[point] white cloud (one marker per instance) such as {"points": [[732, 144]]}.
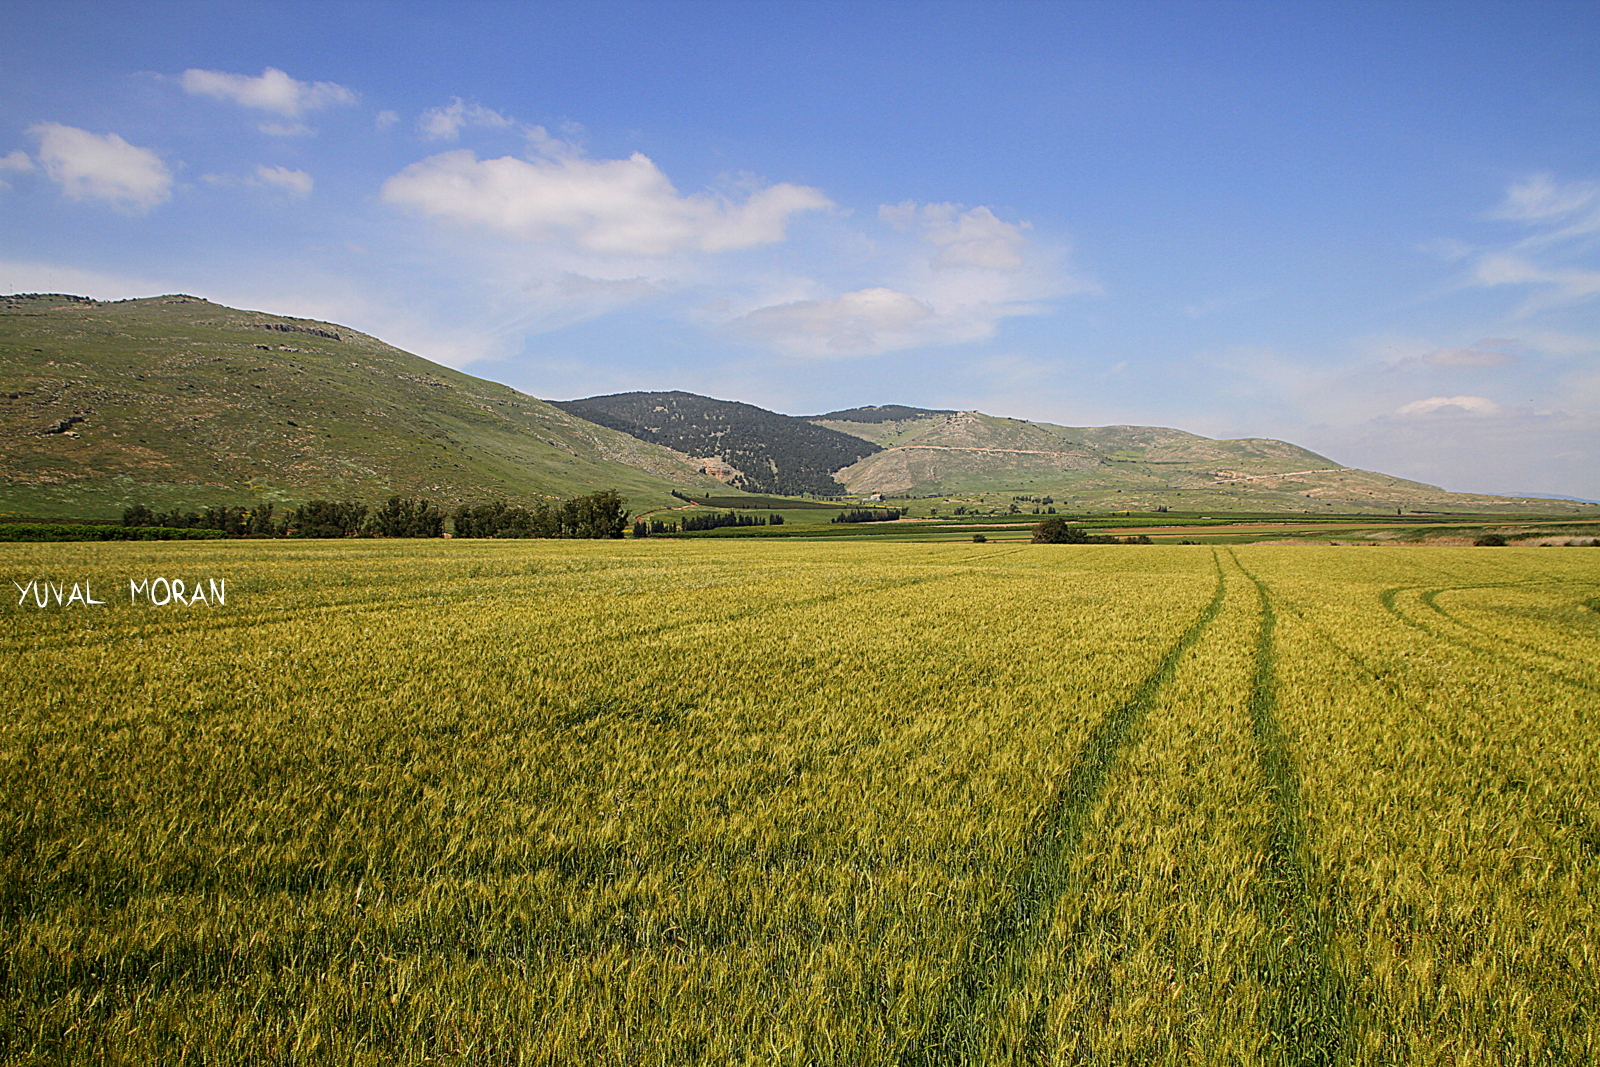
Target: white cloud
{"points": [[856, 323], [273, 91], [1556, 285], [975, 238], [612, 206], [1489, 352], [102, 167], [1469, 405], [445, 123], [294, 182], [17, 162], [965, 273], [384, 119]]}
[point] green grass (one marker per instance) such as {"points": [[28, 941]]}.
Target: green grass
{"points": [[188, 404]]}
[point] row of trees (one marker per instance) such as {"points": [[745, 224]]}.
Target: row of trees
{"points": [[398, 517], [869, 515], [601, 514], [717, 521], [234, 522]]}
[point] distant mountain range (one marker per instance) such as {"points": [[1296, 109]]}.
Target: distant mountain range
{"points": [[1115, 467], [176, 401]]}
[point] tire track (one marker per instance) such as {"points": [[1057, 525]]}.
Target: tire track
{"points": [[1430, 598], [998, 957], [1310, 1021], [1388, 599], [1583, 826]]}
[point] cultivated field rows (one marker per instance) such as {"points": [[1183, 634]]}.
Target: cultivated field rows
{"points": [[689, 802]]}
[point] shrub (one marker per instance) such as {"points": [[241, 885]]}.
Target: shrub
{"points": [[67, 531], [1059, 531], [979, 538], [1492, 540]]}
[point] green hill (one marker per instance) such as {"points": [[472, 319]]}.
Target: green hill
{"points": [[754, 449], [967, 453], [176, 401]]}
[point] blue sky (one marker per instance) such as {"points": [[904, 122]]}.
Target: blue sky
{"points": [[1370, 229]]}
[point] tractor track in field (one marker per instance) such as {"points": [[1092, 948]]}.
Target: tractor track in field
{"points": [[1002, 945], [1430, 598], [1388, 599], [1585, 827], [1311, 1019]]}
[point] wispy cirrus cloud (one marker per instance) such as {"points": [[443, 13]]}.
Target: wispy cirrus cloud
{"points": [[1555, 262], [1572, 209], [1552, 286]]}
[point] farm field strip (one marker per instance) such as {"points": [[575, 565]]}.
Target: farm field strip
{"points": [[690, 802], [1453, 851], [1311, 1021], [594, 608], [1180, 931], [1012, 933], [359, 808], [1407, 683]]}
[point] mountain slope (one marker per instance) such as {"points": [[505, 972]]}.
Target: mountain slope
{"points": [[1123, 467], [185, 402], [876, 413], [762, 451]]}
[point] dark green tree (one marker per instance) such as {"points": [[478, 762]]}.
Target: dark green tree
{"points": [[406, 517], [1059, 531], [326, 518]]}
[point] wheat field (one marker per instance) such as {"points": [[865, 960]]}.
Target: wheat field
{"points": [[673, 802]]}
